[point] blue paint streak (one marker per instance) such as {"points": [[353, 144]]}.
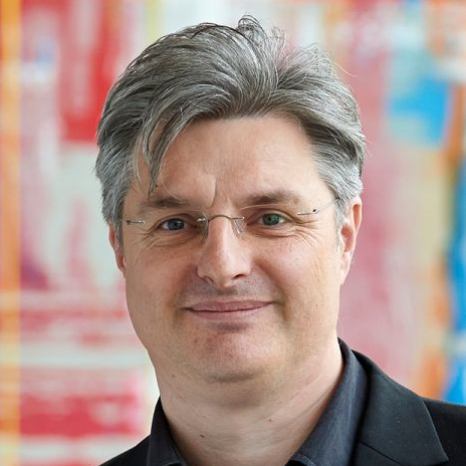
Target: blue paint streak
{"points": [[456, 390], [418, 101], [456, 254]]}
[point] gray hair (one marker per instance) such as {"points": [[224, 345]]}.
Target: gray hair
{"points": [[211, 71]]}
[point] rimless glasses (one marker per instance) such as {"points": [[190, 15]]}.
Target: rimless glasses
{"points": [[174, 226]]}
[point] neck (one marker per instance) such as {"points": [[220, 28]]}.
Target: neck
{"points": [[244, 424]]}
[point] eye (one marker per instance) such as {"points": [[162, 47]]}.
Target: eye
{"points": [[271, 219], [173, 224]]}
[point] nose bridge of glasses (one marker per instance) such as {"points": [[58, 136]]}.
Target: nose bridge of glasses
{"points": [[236, 223]]}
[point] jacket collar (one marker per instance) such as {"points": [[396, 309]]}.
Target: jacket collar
{"points": [[396, 428]]}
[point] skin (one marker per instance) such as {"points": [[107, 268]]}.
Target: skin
{"points": [[241, 330]]}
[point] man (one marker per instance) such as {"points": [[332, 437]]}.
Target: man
{"points": [[231, 173]]}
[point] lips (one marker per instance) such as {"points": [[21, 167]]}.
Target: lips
{"points": [[231, 306]]}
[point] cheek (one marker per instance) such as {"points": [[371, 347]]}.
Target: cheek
{"points": [[141, 305], [151, 270], [305, 266], [309, 282], [150, 288]]}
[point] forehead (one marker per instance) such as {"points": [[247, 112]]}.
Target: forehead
{"points": [[236, 159]]}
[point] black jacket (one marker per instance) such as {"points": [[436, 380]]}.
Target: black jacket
{"points": [[398, 428], [401, 428]]}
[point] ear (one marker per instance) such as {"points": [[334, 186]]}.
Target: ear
{"points": [[348, 235], [117, 247]]}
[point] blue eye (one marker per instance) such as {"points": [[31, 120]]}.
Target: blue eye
{"points": [[272, 219], [173, 224]]}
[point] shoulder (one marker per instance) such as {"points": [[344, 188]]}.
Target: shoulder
{"points": [[450, 422], [136, 456], [416, 427], [439, 410]]}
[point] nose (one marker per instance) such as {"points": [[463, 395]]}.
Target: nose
{"points": [[224, 257]]}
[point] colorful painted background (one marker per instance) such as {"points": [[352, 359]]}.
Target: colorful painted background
{"points": [[75, 386]]}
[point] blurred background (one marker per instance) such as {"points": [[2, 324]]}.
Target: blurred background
{"points": [[75, 386]]}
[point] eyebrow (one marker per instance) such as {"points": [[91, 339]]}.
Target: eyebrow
{"points": [[281, 196], [165, 202]]}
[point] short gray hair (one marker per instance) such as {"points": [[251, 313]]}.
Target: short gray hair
{"points": [[211, 71]]}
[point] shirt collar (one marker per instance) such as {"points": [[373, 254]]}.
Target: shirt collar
{"points": [[162, 450]]}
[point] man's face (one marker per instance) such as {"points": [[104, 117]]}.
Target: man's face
{"points": [[229, 307]]}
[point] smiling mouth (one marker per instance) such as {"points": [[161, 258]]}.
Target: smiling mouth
{"points": [[231, 307]]}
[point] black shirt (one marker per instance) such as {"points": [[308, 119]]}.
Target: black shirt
{"points": [[329, 444]]}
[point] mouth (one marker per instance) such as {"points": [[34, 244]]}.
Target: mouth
{"points": [[230, 309]]}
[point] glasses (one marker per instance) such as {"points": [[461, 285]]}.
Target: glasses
{"points": [[174, 227]]}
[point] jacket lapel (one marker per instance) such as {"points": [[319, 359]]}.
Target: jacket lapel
{"points": [[396, 428]]}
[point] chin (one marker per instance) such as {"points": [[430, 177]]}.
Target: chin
{"points": [[232, 377], [238, 367]]}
